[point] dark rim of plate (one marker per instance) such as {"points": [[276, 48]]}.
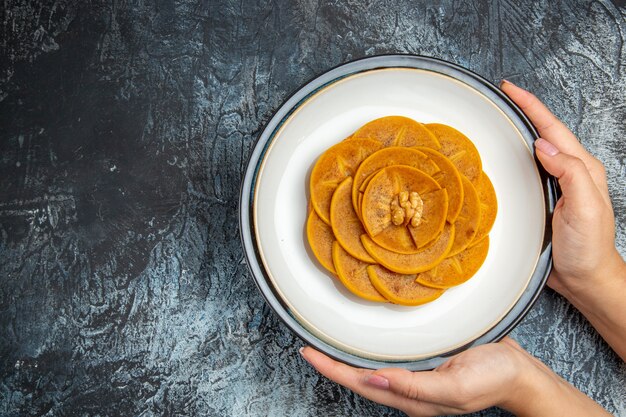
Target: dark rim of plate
{"points": [[293, 102]]}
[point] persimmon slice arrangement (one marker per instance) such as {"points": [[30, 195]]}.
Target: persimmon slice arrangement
{"points": [[401, 211]]}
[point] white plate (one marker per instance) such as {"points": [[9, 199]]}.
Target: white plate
{"points": [[275, 198]]}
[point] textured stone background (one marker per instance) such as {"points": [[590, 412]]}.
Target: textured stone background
{"points": [[125, 128]]}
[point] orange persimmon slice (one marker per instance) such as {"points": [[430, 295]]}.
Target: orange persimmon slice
{"points": [[466, 224], [376, 208], [353, 275], [387, 157], [397, 131], [433, 218], [346, 226], [456, 269], [459, 149], [412, 263], [399, 288], [337, 163], [488, 207], [449, 178], [321, 238]]}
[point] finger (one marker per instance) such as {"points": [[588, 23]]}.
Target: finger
{"points": [[349, 377], [574, 178], [365, 383], [426, 392], [427, 386], [548, 125], [554, 131]]}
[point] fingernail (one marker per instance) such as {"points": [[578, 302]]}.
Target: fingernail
{"points": [[301, 350], [505, 82], [546, 147], [377, 381]]}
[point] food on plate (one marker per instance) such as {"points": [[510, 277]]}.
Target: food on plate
{"points": [[401, 289], [353, 275], [459, 149], [321, 238], [388, 157], [335, 165], [456, 269], [415, 262], [466, 224], [448, 178], [401, 211], [397, 131], [389, 223], [488, 207], [345, 224]]}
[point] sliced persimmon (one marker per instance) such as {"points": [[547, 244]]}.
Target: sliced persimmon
{"points": [[456, 269], [467, 221], [433, 218], [412, 263], [449, 178], [397, 131], [345, 224], [337, 163], [399, 288], [321, 238], [397, 239], [408, 239], [401, 211], [376, 208], [366, 182], [353, 274], [362, 188], [388, 157], [459, 149], [488, 207]]}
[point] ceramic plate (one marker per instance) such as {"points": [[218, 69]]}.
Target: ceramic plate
{"points": [[274, 198]]}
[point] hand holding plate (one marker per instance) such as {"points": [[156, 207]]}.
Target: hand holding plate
{"points": [[497, 374], [588, 269]]}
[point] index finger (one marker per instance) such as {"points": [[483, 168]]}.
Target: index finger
{"points": [[547, 124], [554, 131]]}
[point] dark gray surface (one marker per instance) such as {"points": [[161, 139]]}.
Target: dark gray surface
{"points": [[124, 131]]}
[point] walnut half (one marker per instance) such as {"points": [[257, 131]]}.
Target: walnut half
{"points": [[407, 209]]}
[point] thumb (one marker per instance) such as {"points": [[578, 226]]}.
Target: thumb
{"points": [[574, 178], [426, 386]]}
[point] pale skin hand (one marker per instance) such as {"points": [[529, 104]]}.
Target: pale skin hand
{"points": [[500, 374], [588, 270]]}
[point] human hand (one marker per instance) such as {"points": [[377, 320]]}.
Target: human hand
{"points": [[471, 381], [583, 225], [498, 374], [588, 270]]}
